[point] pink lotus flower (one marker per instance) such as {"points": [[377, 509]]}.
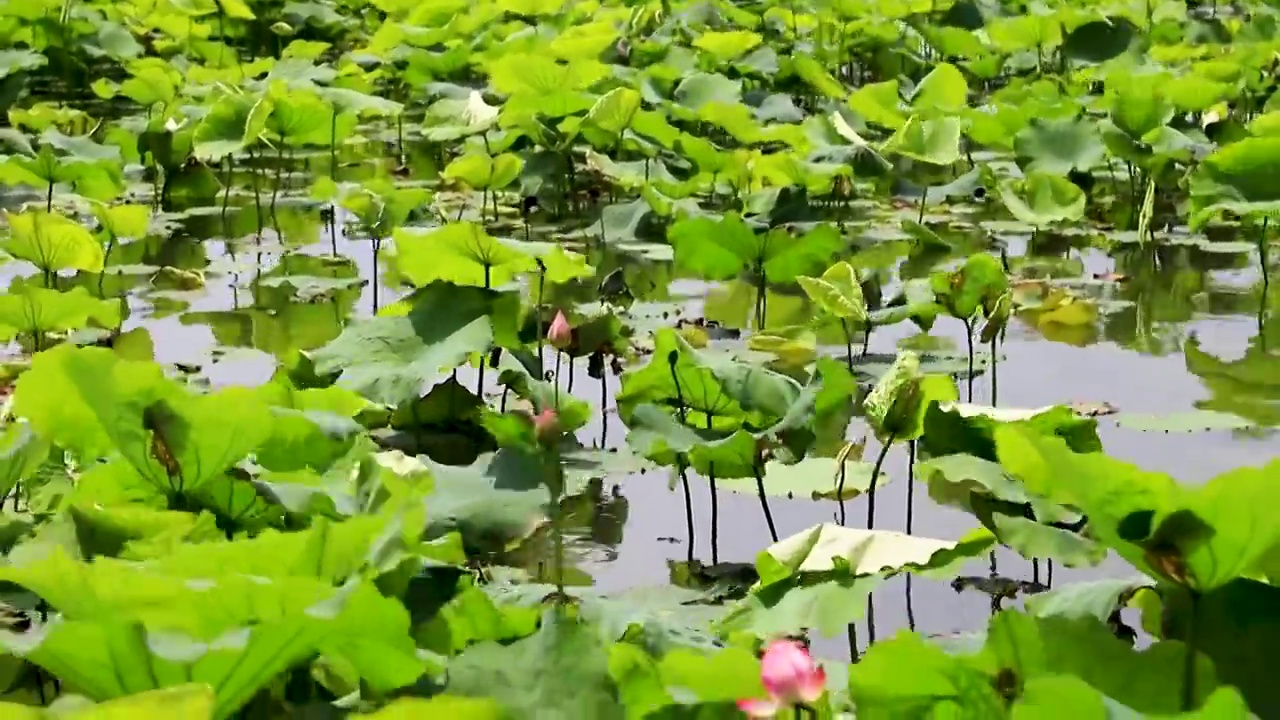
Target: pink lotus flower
{"points": [[546, 426], [790, 676], [560, 335]]}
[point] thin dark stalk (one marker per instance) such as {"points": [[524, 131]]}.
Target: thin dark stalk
{"points": [[924, 198], [275, 190], [226, 185], [1035, 570], [556, 380], [257, 191], [875, 476], [48, 199], [911, 481], [688, 508], [1048, 582], [715, 509], [569, 388], [764, 501], [866, 340], [911, 611], [604, 406], [333, 229], [373, 282], [852, 634], [871, 619], [106, 256], [542, 282]]}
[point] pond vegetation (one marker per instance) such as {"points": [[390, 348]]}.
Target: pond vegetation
{"points": [[346, 339]]}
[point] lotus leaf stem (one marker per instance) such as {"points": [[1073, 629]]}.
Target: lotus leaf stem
{"points": [[764, 501], [875, 476]]}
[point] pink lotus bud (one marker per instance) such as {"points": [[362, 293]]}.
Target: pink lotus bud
{"points": [[790, 676], [546, 426], [560, 335]]}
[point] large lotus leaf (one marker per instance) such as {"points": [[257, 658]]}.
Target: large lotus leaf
{"points": [[727, 45], [539, 74], [970, 429], [1237, 627], [194, 701], [932, 142], [716, 391], [784, 257], [1239, 172], [662, 438], [1041, 199], [908, 676], [1097, 599], [78, 398], [879, 104], [482, 171], [497, 500], [1099, 40], [138, 532], [22, 453], [1087, 649], [982, 486], [1137, 103], [1059, 145], [715, 250], [698, 90], [829, 547], [613, 112], [943, 90], [395, 359], [17, 60], [825, 604], [123, 221], [311, 427], [52, 242], [838, 292], [978, 284], [330, 551], [33, 310], [897, 405], [1202, 538], [816, 76], [461, 253], [813, 478], [1032, 539], [232, 123], [560, 672], [108, 659]]}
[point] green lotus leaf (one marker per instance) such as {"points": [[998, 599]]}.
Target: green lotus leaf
{"points": [[17, 60], [233, 123], [970, 429], [977, 285], [943, 90], [1246, 387], [539, 74], [727, 45], [22, 453], [1059, 146], [907, 674], [138, 532], [698, 90], [660, 437], [614, 111], [123, 221], [1043, 198], [1027, 32], [52, 242], [1202, 538], [720, 250], [814, 478], [108, 659], [391, 360], [32, 310], [1099, 41], [818, 603], [829, 547], [932, 142], [461, 253], [483, 172], [816, 76], [1097, 599], [898, 402], [879, 104], [838, 292], [561, 671], [1137, 103], [1235, 177]]}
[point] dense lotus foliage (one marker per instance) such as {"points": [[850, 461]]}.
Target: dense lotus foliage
{"points": [[452, 241]]}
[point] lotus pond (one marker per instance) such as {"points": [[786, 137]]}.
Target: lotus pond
{"points": [[565, 358]]}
